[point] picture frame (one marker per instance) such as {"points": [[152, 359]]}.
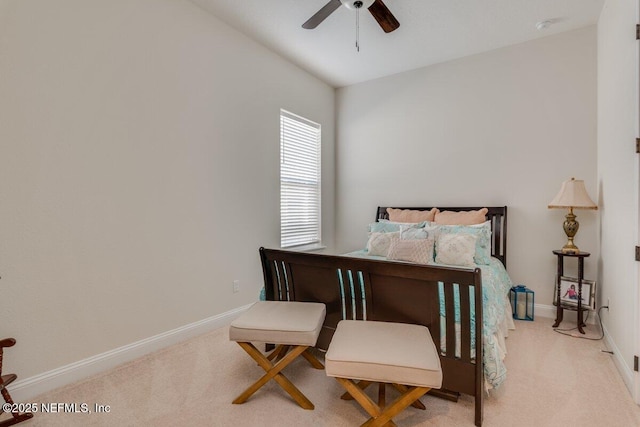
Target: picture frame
{"points": [[569, 292]]}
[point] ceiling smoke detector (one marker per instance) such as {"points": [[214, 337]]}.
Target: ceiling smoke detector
{"points": [[543, 25]]}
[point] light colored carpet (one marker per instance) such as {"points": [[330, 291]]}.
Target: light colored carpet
{"points": [[553, 380]]}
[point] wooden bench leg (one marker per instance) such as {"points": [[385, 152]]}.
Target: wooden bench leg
{"points": [[401, 388], [278, 353], [397, 406], [382, 395], [273, 372], [356, 392], [281, 350], [312, 359], [361, 384], [379, 416]]}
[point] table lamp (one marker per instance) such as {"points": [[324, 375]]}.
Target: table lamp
{"points": [[572, 195]]}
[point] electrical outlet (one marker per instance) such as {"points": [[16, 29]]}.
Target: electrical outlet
{"points": [[236, 286]]}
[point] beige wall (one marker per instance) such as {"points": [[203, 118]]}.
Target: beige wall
{"points": [[500, 128], [618, 180], [138, 171], [139, 164]]}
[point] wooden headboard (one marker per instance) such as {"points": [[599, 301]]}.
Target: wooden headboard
{"points": [[497, 215]]}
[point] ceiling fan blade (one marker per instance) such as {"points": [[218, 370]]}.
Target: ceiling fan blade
{"points": [[322, 14], [383, 15]]}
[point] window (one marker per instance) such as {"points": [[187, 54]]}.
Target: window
{"points": [[299, 181]]}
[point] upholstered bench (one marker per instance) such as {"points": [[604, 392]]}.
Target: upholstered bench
{"points": [[383, 352], [293, 326]]}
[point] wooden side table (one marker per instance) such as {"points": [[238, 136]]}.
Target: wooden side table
{"points": [[559, 308]]}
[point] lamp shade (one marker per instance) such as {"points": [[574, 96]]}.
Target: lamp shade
{"points": [[572, 194]]}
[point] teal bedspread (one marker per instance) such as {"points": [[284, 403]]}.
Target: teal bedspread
{"points": [[495, 290]]}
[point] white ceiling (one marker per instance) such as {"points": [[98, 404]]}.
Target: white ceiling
{"points": [[431, 31]]}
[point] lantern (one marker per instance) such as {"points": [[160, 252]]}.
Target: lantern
{"points": [[522, 302]]}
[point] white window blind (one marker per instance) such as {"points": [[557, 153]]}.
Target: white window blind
{"points": [[299, 180]]}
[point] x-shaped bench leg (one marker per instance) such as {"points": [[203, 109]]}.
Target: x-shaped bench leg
{"points": [[278, 353], [273, 372], [379, 416], [281, 350], [401, 388]]}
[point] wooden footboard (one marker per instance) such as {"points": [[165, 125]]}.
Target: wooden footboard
{"points": [[361, 289]]}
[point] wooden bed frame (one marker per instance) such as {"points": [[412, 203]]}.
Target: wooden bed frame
{"points": [[366, 289]]}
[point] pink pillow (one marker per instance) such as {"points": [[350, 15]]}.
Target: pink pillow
{"points": [[462, 217], [408, 215]]}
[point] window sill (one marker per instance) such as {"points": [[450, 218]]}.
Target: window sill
{"points": [[306, 248]]}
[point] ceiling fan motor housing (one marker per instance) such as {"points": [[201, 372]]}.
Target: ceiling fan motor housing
{"points": [[377, 8], [357, 4]]}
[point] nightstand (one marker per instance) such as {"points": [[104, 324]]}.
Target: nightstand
{"points": [[559, 307]]}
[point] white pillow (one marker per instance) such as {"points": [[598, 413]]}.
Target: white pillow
{"points": [[386, 226], [482, 232], [455, 249], [416, 250], [379, 243], [412, 233]]}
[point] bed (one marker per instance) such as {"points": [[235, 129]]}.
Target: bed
{"points": [[497, 319], [453, 302]]}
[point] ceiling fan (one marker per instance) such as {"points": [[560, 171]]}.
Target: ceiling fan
{"points": [[380, 12]]}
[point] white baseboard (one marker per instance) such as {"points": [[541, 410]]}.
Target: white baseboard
{"points": [[569, 316], [546, 311], [27, 389], [625, 372]]}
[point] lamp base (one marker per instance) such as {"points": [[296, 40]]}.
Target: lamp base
{"points": [[570, 227], [570, 248]]}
